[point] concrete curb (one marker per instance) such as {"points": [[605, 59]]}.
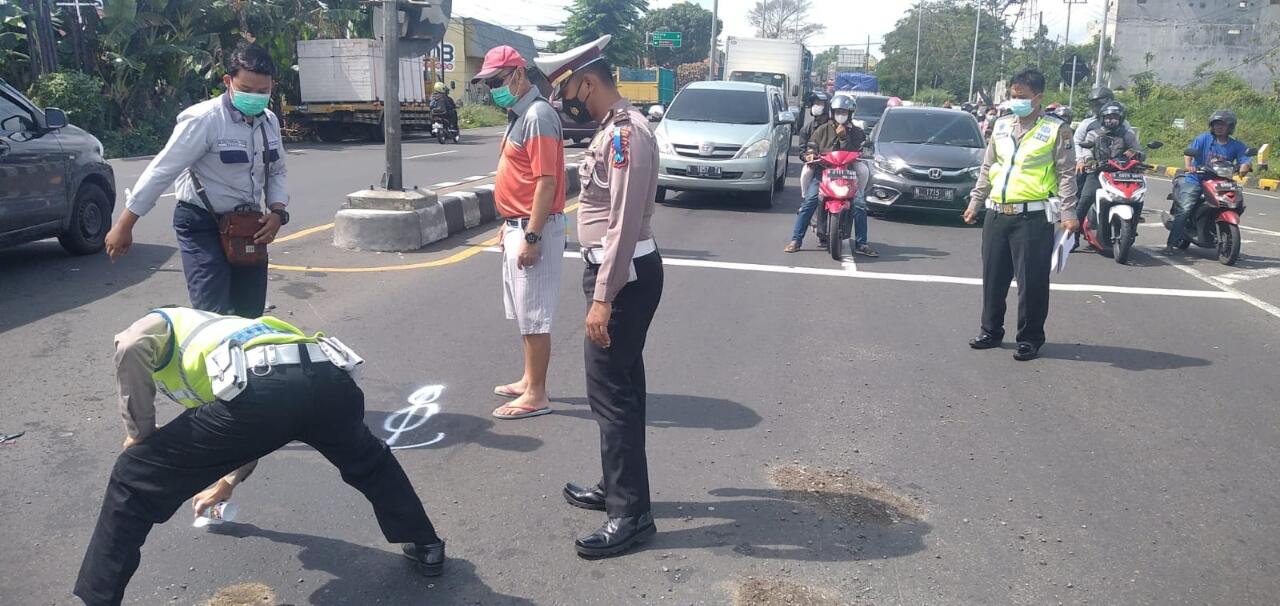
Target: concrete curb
{"points": [[1251, 182], [395, 225]]}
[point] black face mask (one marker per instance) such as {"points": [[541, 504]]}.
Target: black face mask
{"points": [[576, 108]]}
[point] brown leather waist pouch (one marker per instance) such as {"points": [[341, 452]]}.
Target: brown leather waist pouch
{"points": [[237, 230]]}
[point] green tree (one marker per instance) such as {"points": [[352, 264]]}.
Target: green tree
{"points": [[822, 63], [694, 24], [784, 19], [946, 50], [590, 19]]}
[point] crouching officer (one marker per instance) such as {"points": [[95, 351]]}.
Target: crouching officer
{"points": [[623, 281], [250, 387]]}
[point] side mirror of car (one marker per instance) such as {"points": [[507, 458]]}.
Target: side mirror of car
{"points": [[656, 113], [786, 117], [54, 118], [1155, 145]]}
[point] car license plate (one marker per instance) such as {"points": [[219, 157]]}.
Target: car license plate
{"points": [[710, 172], [934, 193], [840, 173]]}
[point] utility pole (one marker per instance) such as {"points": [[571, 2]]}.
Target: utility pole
{"points": [[1070, 3], [1040, 43], [391, 94], [977, 27], [1102, 42], [866, 62], [915, 84], [711, 55]]}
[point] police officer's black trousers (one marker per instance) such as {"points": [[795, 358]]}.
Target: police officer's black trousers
{"points": [[315, 403], [1016, 246], [616, 387], [213, 284]]}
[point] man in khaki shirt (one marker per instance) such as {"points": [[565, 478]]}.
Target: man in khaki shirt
{"points": [[1032, 152], [302, 396]]}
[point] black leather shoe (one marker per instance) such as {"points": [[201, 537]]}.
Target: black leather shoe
{"points": [[984, 341], [1026, 351], [585, 498], [429, 559], [616, 536]]}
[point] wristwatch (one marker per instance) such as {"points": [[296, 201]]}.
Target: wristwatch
{"points": [[284, 215], [531, 237]]}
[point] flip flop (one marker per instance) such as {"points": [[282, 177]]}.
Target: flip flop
{"points": [[528, 412], [506, 392]]}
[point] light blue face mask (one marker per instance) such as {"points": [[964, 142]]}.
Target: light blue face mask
{"points": [[1021, 107], [250, 104]]}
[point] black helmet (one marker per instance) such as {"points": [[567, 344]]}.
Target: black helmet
{"points": [[1112, 109], [1224, 115], [1065, 114], [844, 102], [1099, 96]]}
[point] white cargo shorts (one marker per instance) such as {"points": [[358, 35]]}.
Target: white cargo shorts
{"points": [[532, 294]]}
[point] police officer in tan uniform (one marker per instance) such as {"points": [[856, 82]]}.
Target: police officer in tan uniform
{"points": [[623, 281]]}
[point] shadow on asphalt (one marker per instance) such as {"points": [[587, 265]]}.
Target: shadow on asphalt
{"points": [[364, 575], [1124, 358], [41, 280], [786, 524], [890, 252], [690, 412], [784, 202]]}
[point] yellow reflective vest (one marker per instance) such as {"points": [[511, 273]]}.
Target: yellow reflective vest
{"points": [[195, 334], [1024, 170]]}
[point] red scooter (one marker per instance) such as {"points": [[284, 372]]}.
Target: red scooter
{"points": [[1215, 219], [1111, 227], [836, 191]]}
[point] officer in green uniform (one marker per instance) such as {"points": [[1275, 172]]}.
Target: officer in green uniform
{"points": [[287, 386], [1029, 161]]}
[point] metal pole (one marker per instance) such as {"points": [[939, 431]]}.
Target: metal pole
{"points": [[866, 61], [1071, 99], [977, 26], [1040, 43], [391, 94], [711, 55], [1102, 41], [915, 84], [1066, 40]]}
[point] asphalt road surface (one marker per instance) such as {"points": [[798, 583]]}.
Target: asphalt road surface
{"points": [[818, 428]]}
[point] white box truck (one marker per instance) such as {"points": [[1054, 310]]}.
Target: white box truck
{"points": [[343, 92], [779, 63]]}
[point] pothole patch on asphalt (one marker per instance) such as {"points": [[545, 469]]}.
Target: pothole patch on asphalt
{"points": [[773, 592], [848, 496], [244, 594]]}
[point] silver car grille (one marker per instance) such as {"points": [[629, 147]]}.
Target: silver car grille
{"points": [[718, 151], [926, 173]]}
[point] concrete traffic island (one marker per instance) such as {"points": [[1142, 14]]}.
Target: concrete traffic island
{"points": [[382, 220]]}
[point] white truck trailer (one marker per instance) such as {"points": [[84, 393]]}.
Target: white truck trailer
{"points": [[342, 89]]}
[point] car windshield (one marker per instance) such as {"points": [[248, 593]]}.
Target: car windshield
{"points": [[871, 106], [722, 106], [931, 128], [767, 78]]}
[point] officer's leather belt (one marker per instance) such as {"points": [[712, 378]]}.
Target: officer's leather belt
{"points": [[643, 248], [1016, 208]]}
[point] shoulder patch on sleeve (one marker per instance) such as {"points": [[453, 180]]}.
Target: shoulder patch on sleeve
{"points": [[620, 145]]}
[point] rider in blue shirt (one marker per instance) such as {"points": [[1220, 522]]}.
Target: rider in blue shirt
{"points": [[1217, 143]]}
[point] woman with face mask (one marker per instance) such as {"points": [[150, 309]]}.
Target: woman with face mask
{"points": [[821, 113]]}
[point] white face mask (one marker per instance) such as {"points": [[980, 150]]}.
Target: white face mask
{"points": [[816, 110], [842, 118]]}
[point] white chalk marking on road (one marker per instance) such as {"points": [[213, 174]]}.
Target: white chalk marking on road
{"points": [[422, 406], [447, 184], [1245, 275], [439, 153], [931, 279], [1207, 279]]}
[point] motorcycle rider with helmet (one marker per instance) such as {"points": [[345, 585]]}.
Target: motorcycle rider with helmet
{"points": [[1111, 141], [442, 102], [1215, 144], [838, 134]]}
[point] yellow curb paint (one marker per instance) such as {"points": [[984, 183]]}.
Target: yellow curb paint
{"points": [[458, 257], [1170, 171], [1269, 184]]}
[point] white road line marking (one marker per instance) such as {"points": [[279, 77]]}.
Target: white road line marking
{"points": [[931, 279], [1259, 230], [447, 184], [440, 153], [1245, 275], [474, 178], [1207, 279], [493, 174], [169, 195]]}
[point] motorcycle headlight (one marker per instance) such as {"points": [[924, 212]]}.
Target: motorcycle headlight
{"points": [[887, 165], [664, 144], [759, 149], [1226, 172]]}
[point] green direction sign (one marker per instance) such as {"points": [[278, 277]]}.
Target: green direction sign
{"points": [[665, 39]]}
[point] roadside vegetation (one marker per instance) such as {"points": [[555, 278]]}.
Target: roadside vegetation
{"points": [[475, 115]]}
